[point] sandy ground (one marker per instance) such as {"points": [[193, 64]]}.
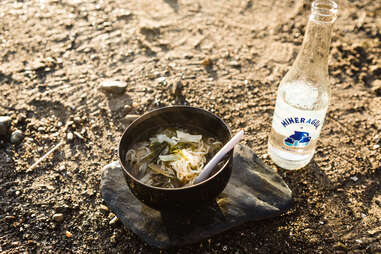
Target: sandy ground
{"points": [[54, 54]]}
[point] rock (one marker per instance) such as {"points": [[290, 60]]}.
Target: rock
{"points": [[113, 220], [113, 238], [129, 119], [354, 178], [70, 136], [122, 13], [374, 231], [154, 75], [113, 86], [9, 217], [254, 192], [77, 119], [161, 80], [104, 209], [339, 246], [235, 64], [5, 122], [376, 87], [177, 89], [16, 137], [58, 217], [206, 62], [68, 234]]}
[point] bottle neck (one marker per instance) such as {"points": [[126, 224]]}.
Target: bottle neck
{"points": [[313, 57]]}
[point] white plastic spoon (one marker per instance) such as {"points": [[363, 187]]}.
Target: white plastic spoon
{"points": [[216, 158]]}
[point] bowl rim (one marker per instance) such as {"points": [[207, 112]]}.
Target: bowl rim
{"points": [[184, 187]]}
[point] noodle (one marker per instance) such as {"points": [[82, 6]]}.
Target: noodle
{"points": [[171, 158]]}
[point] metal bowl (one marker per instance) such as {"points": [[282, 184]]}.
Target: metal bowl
{"points": [[184, 197]]}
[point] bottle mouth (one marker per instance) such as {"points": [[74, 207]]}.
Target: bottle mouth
{"points": [[324, 11]]}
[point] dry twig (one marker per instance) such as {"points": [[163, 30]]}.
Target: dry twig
{"points": [[44, 157]]}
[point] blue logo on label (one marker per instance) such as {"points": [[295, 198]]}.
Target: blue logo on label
{"points": [[298, 139]]}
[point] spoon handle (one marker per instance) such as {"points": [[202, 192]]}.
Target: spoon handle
{"points": [[216, 158]]}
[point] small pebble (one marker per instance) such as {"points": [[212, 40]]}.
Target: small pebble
{"points": [[376, 86], [127, 107], [235, 64], [77, 119], [68, 234], [373, 231], [16, 137], [14, 244], [206, 62], [376, 146], [177, 89], [9, 217], [103, 208], [131, 118], [58, 217], [70, 136], [354, 178], [161, 80], [5, 122], [113, 238], [113, 86], [113, 220], [340, 245], [154, 75]]}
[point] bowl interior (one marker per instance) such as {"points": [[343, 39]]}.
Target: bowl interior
{"points": [[195, 119]]}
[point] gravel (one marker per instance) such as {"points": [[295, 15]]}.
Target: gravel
{"points": [[64, 84]]}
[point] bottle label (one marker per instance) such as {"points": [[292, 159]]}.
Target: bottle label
{"points": [[299, 131], [299, 138], [293, 120], [298, 116]]}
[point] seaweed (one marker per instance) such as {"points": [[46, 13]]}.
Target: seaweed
{"points": [[156, 149]]}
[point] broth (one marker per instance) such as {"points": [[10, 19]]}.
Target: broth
{"points": [[172, 157]]}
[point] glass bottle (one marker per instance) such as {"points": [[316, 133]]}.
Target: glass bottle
{"points": [[304, 93]]}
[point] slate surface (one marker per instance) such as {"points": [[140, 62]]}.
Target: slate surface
{"points": [[254, 192]]}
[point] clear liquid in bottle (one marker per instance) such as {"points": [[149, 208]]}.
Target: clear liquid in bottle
{"points": [[303, 94], [297, 122]]}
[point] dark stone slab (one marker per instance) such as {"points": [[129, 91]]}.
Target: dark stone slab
{"points": [[254, 192]]}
